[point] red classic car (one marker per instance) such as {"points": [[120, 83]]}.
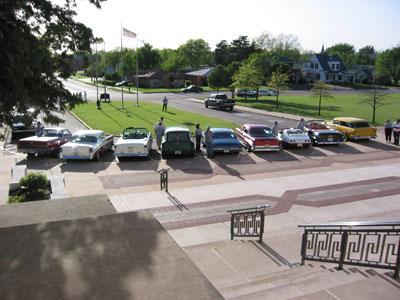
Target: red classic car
{"points": [[258, 137], [49, 142]]}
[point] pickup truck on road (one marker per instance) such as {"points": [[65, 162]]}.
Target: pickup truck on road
{"points": [[220, 101]]}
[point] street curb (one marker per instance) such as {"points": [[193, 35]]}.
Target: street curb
{"points": [[76, 117]]}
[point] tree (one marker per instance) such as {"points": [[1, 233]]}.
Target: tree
{"points": [[375, 99], [37, 41], [278, 82], [222, 53], [231, 70], [286, 45], [241, 48], [321, 90], [366, 56], [345, 51], [149, 58], [218, 78], [195, 53], [248, 77], [388, 64], [171, 61]]}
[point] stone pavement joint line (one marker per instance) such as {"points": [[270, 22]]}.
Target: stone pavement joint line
{"points": [[215, 211]]}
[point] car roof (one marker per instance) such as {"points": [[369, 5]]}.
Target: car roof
{"points": [[177, 128], [251, 126], [89, 132], [349, 119], [54, 128], [216, 130]]}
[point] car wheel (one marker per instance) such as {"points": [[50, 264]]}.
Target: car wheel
{"points": [[231, 108], [280, 146], [306, 145], [97, 156], [163, 155], [206, 104], [219, 107], [31, 154]]}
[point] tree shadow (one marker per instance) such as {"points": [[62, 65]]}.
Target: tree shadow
{"points": [[378, 145], [227, 169]]}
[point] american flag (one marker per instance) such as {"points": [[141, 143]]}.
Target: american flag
{"points": [[128, 33]]}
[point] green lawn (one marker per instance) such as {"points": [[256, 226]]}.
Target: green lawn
{"points": [[338, 106], [112, 119]]}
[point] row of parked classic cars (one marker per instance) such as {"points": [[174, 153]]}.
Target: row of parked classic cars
{"points": [[134, 141]]}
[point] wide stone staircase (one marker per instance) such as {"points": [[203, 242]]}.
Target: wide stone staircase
{"points": [[246, 269]]}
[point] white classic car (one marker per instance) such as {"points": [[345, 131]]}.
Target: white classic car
{"points": [[86, 144], [294, 137], [133, 142]]}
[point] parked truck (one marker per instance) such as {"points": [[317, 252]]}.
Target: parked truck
{"points": [[220, 101]]}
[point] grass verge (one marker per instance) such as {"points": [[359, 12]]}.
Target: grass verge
{"points": [[112, 119]]}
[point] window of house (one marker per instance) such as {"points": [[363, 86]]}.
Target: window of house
{"points": [[316, 65], [337, 66], [318, 76], [339, 77], [333, 66]]}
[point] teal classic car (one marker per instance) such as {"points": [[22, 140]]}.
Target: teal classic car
{"points": [[177, 141]]}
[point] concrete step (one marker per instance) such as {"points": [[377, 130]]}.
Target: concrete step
{"points": [[296, 286]]}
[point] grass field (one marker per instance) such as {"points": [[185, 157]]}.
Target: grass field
{"points": [[112, 119], [338, 106]]}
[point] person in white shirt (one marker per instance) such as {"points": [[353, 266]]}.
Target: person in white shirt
{"points": [[301, 124], [275, 128], [396, 131]]}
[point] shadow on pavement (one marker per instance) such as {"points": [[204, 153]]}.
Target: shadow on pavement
{"points": [[276, 156], [190, 165]]}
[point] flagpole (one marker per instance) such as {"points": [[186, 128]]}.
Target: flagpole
{"points": [[137, 74], [122, 74]]}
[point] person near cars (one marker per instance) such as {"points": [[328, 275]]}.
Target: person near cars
{"points": [[301, 124], [388, 131], [164, 104], [159, 130], [396, 131], [197, 134], [209, 137], [39, 128], [275, 128]]}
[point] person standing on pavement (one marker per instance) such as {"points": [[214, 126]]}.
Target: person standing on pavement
{"points": [[165, 104], [209, 137], [275, 128], [301, 124], [197, 134], [388, 131], [159, 130], [396, 131]]}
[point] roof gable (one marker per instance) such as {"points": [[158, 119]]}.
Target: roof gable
{"points": [[325, 59]]}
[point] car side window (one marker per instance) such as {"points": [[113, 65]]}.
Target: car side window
{"points": [[335, 122], [344, 124], [101, 137], [66, 132]]}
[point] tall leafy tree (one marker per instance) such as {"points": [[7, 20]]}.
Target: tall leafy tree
{"points": [[388, 64], [321, 90], [345, 51], [231, 70], [222, 53], [218, 78], [241, 48], [149, 58], [248, 78], [366, 56], [171, 61], [195, 53], [278, 83], [375, 98], [37, 39]]}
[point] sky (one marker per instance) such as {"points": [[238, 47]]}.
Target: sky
{"points": [[170, 23]]}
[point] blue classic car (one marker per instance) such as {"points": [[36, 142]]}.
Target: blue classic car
{"points": [[225, 140]]}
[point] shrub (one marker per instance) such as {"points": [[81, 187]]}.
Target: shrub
{"points": [[34, 182], [187, 83], [364, 80], [17, 199]]}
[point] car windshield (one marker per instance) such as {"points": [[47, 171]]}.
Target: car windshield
{"points": [[261, 132], [294, 132], [81, 139], [224, 135], [135, 133], [318, 123], [177, 136], [51, 133]]}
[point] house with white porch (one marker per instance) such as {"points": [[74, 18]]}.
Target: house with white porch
{"points": [[326, 68]]}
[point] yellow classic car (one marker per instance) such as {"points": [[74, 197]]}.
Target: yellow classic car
{"points": [[355, 129]]}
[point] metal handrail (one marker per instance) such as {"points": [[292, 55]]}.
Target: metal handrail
{"points": [[249, 208], [343, 243]]}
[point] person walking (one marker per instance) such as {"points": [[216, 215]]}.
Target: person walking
{"points": [[396, 131], [159, 130], [165, 104], [301, 124], [275, 128], [209, 140], [197, 134], [388, 131]]}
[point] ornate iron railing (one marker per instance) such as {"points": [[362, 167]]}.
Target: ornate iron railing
{"points": [[164, 179], [248, 222], [369, 244]]}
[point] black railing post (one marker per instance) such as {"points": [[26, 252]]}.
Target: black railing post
{"points": [[303, 247], [164, 179], [343, 247], [232, 226], [262, 226], [397, 268]]}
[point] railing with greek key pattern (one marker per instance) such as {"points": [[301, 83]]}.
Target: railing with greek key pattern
{"points": [[369, 244], [248, 222]]}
